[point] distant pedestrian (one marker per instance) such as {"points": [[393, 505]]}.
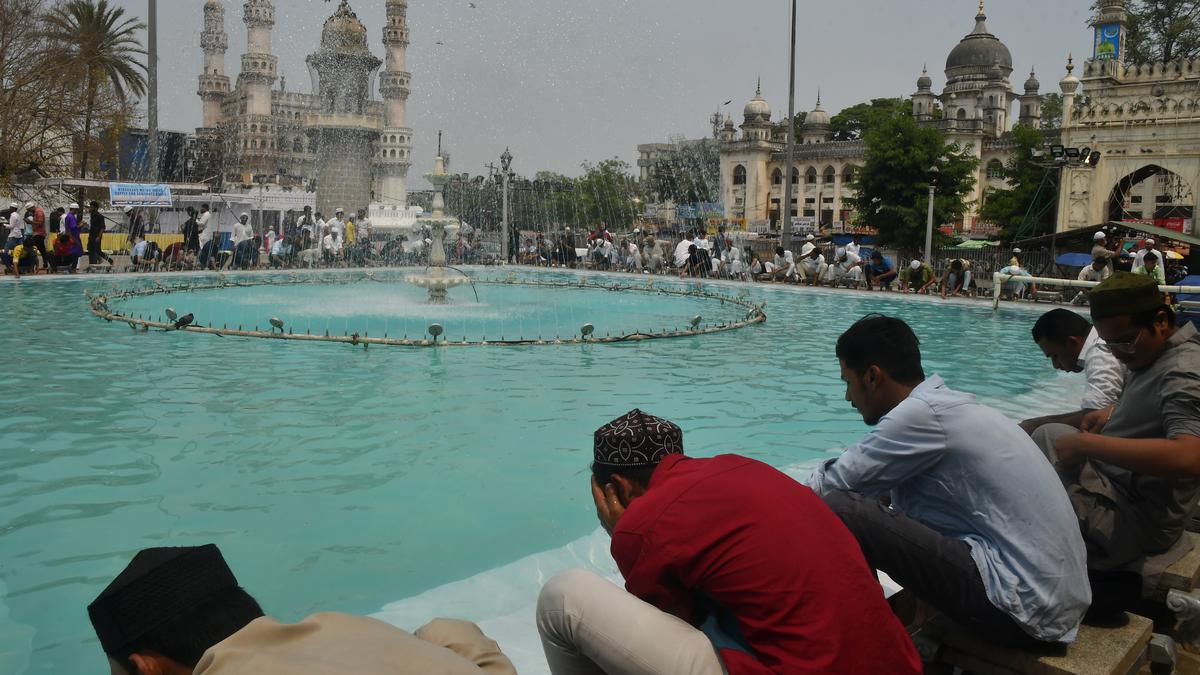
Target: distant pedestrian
{"points": [[96, 227]]}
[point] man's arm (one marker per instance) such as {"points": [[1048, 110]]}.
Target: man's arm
{"points": [[906, 443], [1165, 457], [1073, 419]]}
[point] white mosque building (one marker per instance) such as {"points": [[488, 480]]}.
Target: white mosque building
{"points": [[977, 104]]}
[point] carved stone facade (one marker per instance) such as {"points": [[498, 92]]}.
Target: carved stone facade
{"points": [[333, 136]]}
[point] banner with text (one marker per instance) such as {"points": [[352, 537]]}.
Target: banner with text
{"points": [[139, 194]]}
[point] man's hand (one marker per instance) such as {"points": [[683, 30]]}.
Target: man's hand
{"points": [[608, 506], [1068, 450], [1094, 422]]}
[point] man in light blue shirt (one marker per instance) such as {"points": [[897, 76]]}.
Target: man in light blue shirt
{"points": [[979, 525]]}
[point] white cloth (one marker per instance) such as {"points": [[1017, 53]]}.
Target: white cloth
{"points": [[1104, 374], [854, 248], [336, 226], [1137, 260], [848, 269], [590, 626], [681, 252], [241, 232], [811, 265], [206, 233], [787, 261], [703, 243], [16, 225], [1090, 274]]}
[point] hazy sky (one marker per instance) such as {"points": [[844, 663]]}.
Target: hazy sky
{"points": [[565, 81]]}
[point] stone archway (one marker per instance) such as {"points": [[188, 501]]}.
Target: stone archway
{"points": [[1153, 194]]}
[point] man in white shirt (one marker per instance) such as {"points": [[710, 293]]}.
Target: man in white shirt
{"points": [[782, 267], [633, 257], [208, 244], [1073, 346], [855, 246], [846, 269], [330, 246], [682, 250], [16, 227], [337, 224], [1147, 247], [812, 264], [242, 230]]}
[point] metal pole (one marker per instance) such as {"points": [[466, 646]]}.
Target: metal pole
{"points": [[929, 227], [504, 218], [152, 82], [785, 209]]}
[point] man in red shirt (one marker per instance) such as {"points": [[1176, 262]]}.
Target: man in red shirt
{"points": [[730, 566]]}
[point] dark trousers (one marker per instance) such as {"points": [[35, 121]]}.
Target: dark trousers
{"points": [[937, 569], [39, 242], [208, 255], [95, 255]]}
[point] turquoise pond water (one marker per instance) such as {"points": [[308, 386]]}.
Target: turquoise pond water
{"points": [[341, 479]]}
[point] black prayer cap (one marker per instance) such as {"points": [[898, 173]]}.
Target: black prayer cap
{"points": [[1124, 293], [637, 439], [157, 586]]}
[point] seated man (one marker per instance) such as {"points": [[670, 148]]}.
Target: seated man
{"points": [[1074, 346], [137, 254], [918, 277], [957, 278], [812, 264], [1152, 267], [1098, 271], [1014, 289], [652, 257], [978, 525], [781, 268], [23, 259], [878, 271], [1133, 474], [730, 567], [846, 269], [281, 253], [180, 610]]}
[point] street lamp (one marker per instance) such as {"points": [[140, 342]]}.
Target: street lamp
{"points": [[933, 174], [785, 237], [505, 163]]}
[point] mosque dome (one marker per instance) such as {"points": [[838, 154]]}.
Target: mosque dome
{"points": [[343, 29], [978, 51], [817, 118], [757, 110], [1032, 85], [924, 82]]}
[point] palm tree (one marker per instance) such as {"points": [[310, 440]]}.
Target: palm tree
{"points": [[94, 38]]}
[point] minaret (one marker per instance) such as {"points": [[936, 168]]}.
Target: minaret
{"points": [[214, 84], [395, 147], [1069, 86], [256, 80], [1031, 102], [997, 101], [924, 100], [1111, 26]]}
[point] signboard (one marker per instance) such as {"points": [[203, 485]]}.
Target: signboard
{"points": [[139, 194], [1173, 224], [686, 212], [804, 225], [1108, 42]]}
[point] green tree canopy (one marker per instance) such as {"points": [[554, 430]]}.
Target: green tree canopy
{"points": [[1052, 111], [854, 122], [692, 173], [1026, 208], [893, 184], [1162, 30]]}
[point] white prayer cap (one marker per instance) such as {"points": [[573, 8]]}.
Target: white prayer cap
{"points": [[806, 249], [244, 215], [14, 205], [30, 205], [1098, 236], [1016, 250], [809, 238], [73, 205], [339, 210], [840, 252], [1149, 242], [127, 209], [915, 264]]}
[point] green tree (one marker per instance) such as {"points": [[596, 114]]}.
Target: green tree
{"points": [[607, 194], [94, 38], [854, 122], [893, 184], [1052, 111], [692, 173], [1026, 207]]}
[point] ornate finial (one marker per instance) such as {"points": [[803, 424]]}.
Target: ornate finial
{"points": [[818, 97], [758, 91], [1070, 63], [925, 68], [981, 7], [439, 143]]}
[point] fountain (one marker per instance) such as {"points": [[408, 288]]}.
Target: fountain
{"points": [[435, 280]]}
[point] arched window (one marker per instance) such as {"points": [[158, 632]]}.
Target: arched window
{"points": [[297, 145], [991, 101], [810, 176], [995, 169], [776, 177], [795, 175], [847, 175], [739, 175], [830, 175], [962, 113], [254, 128]]}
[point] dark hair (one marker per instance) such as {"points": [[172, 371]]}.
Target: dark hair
{"points": [[204, 206], [1059, 324], [956, 264], [94, 205], [883, 341], [876, 254], [639, 475], [185, 638], [779, 250], [1147, 318]]}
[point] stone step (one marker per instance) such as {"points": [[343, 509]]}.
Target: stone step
{"points": [[1183, 575], [1111, 650]]}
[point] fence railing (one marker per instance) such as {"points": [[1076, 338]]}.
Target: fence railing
{"points": [[998, 281]]}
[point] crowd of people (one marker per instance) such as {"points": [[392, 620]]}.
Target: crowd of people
{"points": [[1018, 532]]}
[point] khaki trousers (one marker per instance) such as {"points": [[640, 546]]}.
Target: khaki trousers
{"points": [[589, 626]]}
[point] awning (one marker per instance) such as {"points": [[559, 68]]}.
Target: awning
{"points": [[77, 183], [1158, 232], [1074, 260], [976, 244]]}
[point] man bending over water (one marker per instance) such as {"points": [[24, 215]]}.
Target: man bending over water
{"points": [[730, 567], [175, 611], [978, 525]]}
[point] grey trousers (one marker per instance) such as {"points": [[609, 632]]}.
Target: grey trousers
{"points": [[590, 626]]}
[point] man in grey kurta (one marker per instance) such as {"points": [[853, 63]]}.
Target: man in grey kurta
{"points": [[1133, 470]]}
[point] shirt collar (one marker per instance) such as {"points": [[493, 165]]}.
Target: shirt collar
{"points": [[1182, 334], [931, 382], [663, 467]]}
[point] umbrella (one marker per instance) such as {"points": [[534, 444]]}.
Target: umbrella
{"points": [[1074, 260], [1174, 255]]}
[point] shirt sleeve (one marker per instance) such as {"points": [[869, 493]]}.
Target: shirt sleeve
{"points": [[1180, 402], [650, 575], [1105, 379], [908, 441]]}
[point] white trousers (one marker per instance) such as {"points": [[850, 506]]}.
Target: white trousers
{"points": [[590, 626]]}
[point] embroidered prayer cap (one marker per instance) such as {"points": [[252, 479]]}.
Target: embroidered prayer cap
{"points": [[637, 439], [157, 586], [1123, 294]]}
